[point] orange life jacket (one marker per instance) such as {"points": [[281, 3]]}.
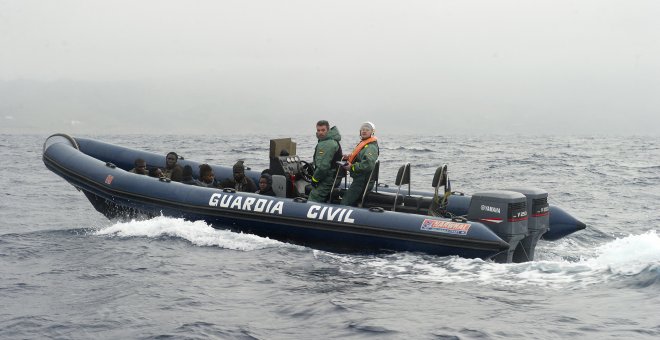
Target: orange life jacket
{"points": [[359, 147]]}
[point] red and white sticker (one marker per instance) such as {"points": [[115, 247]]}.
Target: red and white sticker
{"points": [[445, 227]]}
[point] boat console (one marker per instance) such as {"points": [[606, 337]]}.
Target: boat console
{"points": [[285, 165]]}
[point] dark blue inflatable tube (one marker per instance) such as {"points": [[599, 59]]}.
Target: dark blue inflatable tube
{"points": [[99, 170]]}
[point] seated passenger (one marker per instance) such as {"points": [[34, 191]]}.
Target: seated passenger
{"points": [[240, 182], [172, 170], [266, 185], [155, 172], [206, 177], [140, 167], [187, 177]]}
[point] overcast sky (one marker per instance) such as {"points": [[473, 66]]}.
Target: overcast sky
{"points": [[481, 66]]}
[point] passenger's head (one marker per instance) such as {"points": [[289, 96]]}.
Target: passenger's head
{"points": [[265, 182], [155, 172], [170, 159], [206, 174], [141, 166], [367, 129], [187, 173], [239, 171], [322, 128]]}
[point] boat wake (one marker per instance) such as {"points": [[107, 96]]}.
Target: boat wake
{"points": [[198, 233], [630, 261], [629, 255], [633, 261]]}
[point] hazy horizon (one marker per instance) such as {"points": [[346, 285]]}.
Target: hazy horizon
{"points": [[431, 67]]}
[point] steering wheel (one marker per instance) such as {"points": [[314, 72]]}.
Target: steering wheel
{"points": [[306, 171]]}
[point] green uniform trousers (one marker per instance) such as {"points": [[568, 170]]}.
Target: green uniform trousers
{"points": [[354, 194], [322, 191]]}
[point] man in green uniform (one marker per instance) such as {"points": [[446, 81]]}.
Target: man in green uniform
{"points": [[360, 163], [326, 154]]}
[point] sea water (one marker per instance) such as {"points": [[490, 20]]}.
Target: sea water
{"points": [[68, 272]]}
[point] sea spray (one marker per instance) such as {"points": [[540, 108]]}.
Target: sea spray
{"points": [[198, 233], [630, 255]]}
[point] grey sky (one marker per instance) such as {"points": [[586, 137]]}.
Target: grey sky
{"points": [[482, 66]]}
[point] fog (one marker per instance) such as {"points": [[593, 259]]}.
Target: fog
{"points": [[276, 67]]}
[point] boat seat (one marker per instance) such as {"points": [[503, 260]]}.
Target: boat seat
{"points": [[405, 204], [279, 185], [402, 178], [438, 205], [380, 199], [410, 210], [416, 204]]}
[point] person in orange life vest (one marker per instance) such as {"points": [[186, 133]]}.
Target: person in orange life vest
{"points": [[360, 163]]}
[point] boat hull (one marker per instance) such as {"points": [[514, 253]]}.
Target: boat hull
{"points": [[95, 168]]}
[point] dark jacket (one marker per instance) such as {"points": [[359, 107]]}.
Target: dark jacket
{"points": [[246, 185], [269, 192], [187, 176], [190, 181], [269, 185], [213, 184], [175, 174]]}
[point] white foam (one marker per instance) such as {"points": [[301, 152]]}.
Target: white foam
{"points": [[630, 255], [198, 233], [627, 256]]}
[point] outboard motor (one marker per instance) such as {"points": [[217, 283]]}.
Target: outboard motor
{"points": [[505, 213], [538, 213]]}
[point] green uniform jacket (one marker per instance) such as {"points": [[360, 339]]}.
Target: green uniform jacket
{"points": [[325, 151], [360, 170], [365, 161]]}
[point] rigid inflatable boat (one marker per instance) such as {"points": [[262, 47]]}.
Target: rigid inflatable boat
{"points": [[502, 225]]}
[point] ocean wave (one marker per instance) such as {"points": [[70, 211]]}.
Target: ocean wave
{"points": [[416, 149], [198, 233], [255, 149], [640, 166]]}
